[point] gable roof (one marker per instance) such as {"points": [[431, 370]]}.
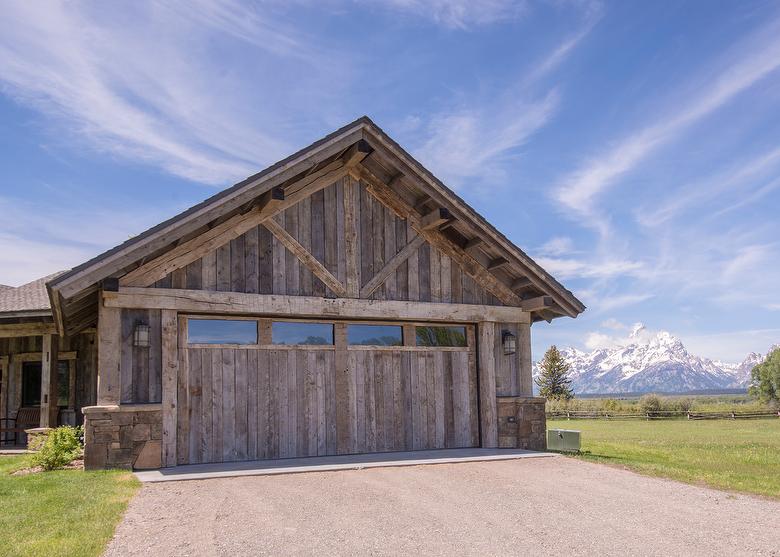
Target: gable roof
{"points": [[384, 161], [30, 298]]}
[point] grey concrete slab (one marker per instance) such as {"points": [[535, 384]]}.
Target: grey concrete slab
{"points": [[331, 463]]}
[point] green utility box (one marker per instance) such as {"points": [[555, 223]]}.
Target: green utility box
{"points": [[563, 440]]}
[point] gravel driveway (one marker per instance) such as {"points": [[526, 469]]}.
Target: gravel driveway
{"points": [[518, 507]]}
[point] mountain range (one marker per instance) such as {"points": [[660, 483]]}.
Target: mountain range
{"points": [[657, 363]]}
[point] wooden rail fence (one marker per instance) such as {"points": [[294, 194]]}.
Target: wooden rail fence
{"points": [[658, 415]]}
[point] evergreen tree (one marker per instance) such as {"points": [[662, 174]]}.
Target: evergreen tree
{"points": [[765, 384], [553, 380]]}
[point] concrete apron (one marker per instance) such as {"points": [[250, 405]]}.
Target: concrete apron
{"points": [[331, 463]]}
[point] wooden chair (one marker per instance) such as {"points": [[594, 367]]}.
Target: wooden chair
{"points": [[26, 418]]}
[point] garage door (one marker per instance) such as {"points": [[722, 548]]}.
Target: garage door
{"points": [[263, 389]]}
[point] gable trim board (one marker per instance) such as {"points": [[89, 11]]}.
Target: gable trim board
{"points": [[360, 149]]}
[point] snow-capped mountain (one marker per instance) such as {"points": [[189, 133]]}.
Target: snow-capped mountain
{"points": [[657, 363]]}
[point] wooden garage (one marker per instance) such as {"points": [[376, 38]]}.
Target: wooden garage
{"points": [[341, 301]]}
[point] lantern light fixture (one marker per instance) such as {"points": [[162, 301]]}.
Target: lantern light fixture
{"points": [[141, 335], [509, 341]]}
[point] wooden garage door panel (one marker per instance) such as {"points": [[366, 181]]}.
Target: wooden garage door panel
{"points": [[247, 404], [264, 403]]}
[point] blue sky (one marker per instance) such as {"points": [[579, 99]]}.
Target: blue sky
{"points": [[632, 148]]}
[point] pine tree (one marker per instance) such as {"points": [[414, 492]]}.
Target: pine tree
{"points": [[553, 380]]}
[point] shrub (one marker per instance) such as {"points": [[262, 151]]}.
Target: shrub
{"points": [[650, 403], [680, 404], [61, 446]]}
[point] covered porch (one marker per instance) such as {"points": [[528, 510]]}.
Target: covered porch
{"points": [[45, 379]]}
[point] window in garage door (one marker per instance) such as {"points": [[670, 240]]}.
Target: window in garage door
{"points": [[283, 396]]}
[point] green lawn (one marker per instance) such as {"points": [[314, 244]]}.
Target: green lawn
{"points": [[66, 512], [741, 455]]}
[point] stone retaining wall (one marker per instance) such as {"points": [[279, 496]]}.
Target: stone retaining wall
{"points": [[522, 423], [126, 436]]}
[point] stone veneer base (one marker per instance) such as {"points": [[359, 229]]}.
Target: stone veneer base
{"points": [[125, 436], [522, 423]]}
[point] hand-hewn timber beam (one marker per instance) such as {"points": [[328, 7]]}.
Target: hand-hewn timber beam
{"points": [[435, 218], [377, 280], [467, 263], [421, 204], [26, 330], [305, 257], [497, 263], [356, 153], [473, 244], [49, 379], [522, 282], [537, 304], [219, 235], [307, 306]]}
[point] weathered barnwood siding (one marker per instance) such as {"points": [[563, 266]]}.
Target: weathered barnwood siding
{"points": [[140, 367], [257, 403], [513, 371], [257, 262]]}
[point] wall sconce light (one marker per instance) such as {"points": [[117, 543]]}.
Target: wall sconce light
{"points": [[141, 335], [509, 341]]}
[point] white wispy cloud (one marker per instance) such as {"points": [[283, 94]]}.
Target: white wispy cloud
{"points": [[473, 139], [754, 60], [567, 268], [459, 14], [470, 141], [559, 245], [738, 178], [132, 84]]}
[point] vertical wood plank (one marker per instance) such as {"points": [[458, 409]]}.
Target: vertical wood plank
{"points": [[424, 270], [279, 260], [435, 274], [251, 404], [344, 407], [274, 403], [413, 280], [265, 271], [263, 405], [109, 384], [241, 420], [304, 238], [282, 404], [217, 418], [127, 319], [194, 408], [207, 405], [183, 414], [49, 381], [292, 264], [228, 405], [223, 268], [526, 381], [209, 263], [438, 359], [351, 251], [237, 260], [318, 239], [318, 362], [487, 384], [390, 285], [251, 261], [170, 367], [340, 235]]}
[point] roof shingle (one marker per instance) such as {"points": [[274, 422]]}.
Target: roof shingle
{"points": [[27, 297]]}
